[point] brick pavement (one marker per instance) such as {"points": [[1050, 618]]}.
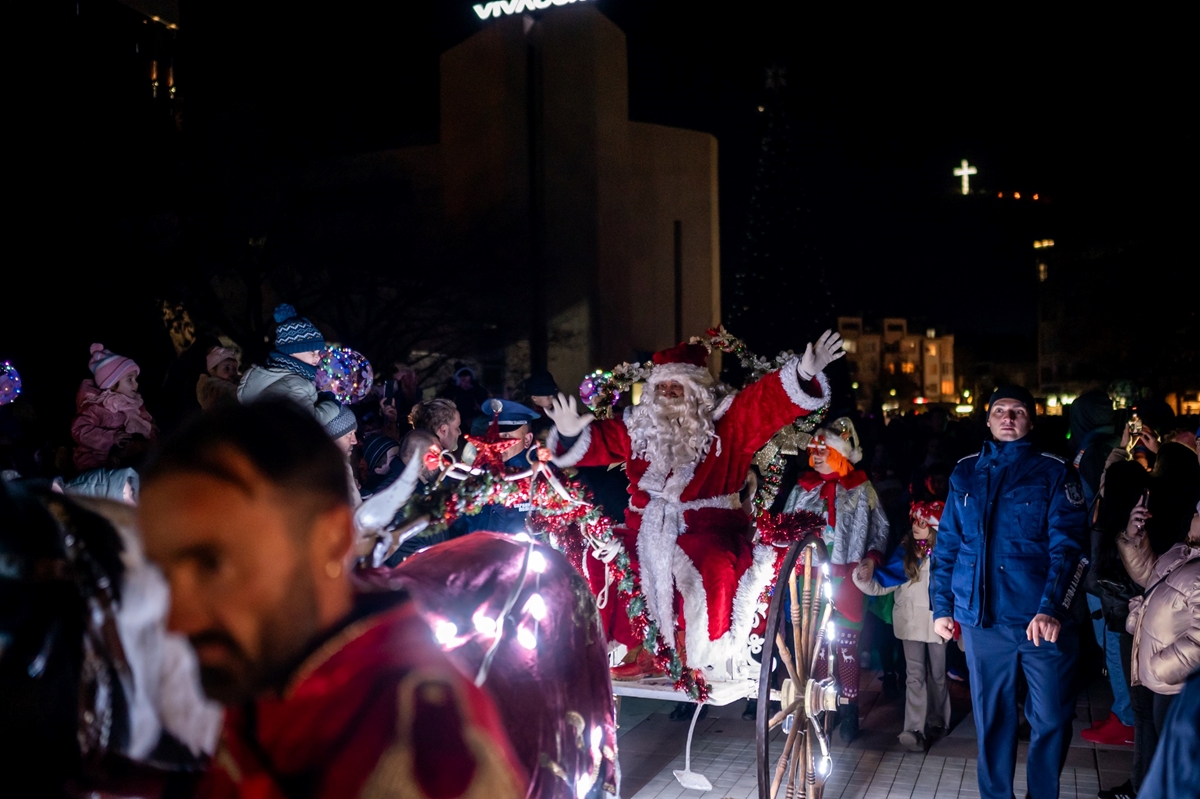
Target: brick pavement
{"points": [[875, 766]]}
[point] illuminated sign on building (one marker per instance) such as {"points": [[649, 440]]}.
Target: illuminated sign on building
{"points": [[504, 7]]}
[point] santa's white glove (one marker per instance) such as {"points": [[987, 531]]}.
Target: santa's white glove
{"points": [[817, 356], [564, 412]]}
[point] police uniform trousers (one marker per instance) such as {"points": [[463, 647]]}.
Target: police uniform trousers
{"points": [[994, 656]]}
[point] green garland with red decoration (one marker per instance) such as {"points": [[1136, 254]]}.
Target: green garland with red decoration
{"points": [[568, 525]]}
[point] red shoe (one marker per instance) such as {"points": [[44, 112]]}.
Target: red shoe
{"points": [[639, 667], [1111, 733], [1104, 722]]}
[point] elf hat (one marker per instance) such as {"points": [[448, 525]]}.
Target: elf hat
{"points": [[841, 437], [928, 513]]}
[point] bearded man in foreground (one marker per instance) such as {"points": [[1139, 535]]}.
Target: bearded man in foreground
{"points": [[688, 448], [327, 693]]}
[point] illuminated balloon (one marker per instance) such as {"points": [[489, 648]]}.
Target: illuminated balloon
{"points": [[10, 383], [344, 373]]}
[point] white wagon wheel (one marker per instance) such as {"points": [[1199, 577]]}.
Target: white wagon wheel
{"points": [[804, 765]]}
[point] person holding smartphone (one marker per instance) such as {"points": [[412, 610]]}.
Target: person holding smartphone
{"points": [[1165, 618]]}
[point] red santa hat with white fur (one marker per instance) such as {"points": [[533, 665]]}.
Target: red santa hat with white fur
{"points": [[683, 363]]}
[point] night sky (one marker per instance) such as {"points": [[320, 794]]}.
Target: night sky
{"points": [[1086, 110]]}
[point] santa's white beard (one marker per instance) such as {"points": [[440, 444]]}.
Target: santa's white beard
{"points": [[672, 433]]}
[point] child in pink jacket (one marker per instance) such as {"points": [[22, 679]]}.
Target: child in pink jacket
{"points": [[109, 410]]}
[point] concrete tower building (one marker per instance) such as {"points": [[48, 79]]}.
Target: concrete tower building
{"points": [[608, 227]]}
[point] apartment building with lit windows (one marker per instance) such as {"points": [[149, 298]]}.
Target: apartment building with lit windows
{"points": [[897, 369]]}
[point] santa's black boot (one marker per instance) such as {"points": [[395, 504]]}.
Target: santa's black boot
{"points": [[848, 726]]}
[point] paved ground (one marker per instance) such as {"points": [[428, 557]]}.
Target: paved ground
{"points": [[875, 766]]}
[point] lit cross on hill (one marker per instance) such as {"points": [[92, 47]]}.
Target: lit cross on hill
{"points": [[965, 171]]}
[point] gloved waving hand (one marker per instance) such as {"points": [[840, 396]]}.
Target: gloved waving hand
{"points": [[565, 414], [817, 356]]}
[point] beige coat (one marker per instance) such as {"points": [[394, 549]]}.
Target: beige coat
{"points": [[912, 617], [1166, 625]]}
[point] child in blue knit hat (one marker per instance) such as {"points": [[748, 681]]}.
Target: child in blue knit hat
{"points": [[291, 368]]}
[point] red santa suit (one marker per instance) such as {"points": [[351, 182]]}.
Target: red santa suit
{"points": [[685, 531], [375, 711]]}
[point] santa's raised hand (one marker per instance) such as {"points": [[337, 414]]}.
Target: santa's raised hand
{"points": [[565, 414], [817, 356]]}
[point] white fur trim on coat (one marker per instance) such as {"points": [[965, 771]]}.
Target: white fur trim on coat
{"points": [[789, 375], [573, 455], [701, 651], [723, 406]]}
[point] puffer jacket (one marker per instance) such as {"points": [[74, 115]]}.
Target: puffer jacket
{"points": [[912, 615], [102, 418], [1166, 623], [263, 382], [120, 485]]}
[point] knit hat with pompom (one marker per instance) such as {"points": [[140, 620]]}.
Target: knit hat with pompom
{"points": [[108, 367], [294, 333]]}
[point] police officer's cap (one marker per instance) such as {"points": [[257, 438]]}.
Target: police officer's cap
{"points": [[509, 415]]}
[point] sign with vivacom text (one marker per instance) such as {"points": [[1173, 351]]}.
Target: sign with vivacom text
{"points": [[504, 7]]}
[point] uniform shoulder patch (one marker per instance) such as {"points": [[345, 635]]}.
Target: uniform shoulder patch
{"points": [[1074, 492], [1052, 456]]}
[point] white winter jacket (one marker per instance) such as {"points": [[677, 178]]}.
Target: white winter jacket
{"points": [[263, 382], [912, 616]]}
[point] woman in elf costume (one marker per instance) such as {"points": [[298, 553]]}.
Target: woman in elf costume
{"points": [[856, 528]]}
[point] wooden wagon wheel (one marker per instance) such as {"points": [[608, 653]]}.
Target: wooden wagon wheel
{"points": [[804, 765]]}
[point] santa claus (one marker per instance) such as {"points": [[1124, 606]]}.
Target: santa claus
{"points": [[688, 447]]}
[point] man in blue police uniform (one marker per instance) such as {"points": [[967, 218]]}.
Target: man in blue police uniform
{"points": [[514, 422], [1007, 567]]}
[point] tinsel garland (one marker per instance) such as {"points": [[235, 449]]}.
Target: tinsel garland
{"points": [[782, 530], [772, 473], [721, 339], [601, 389], [666, 658], [571, 526]]}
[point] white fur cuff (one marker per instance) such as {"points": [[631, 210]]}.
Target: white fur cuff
{"points": [[573, 455], [789, 375]]}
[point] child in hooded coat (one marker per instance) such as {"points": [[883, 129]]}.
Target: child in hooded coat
{"points": [[109, 410], [927, 701]]}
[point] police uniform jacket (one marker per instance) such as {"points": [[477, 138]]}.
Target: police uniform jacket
{"points": [[1010, 542]]}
